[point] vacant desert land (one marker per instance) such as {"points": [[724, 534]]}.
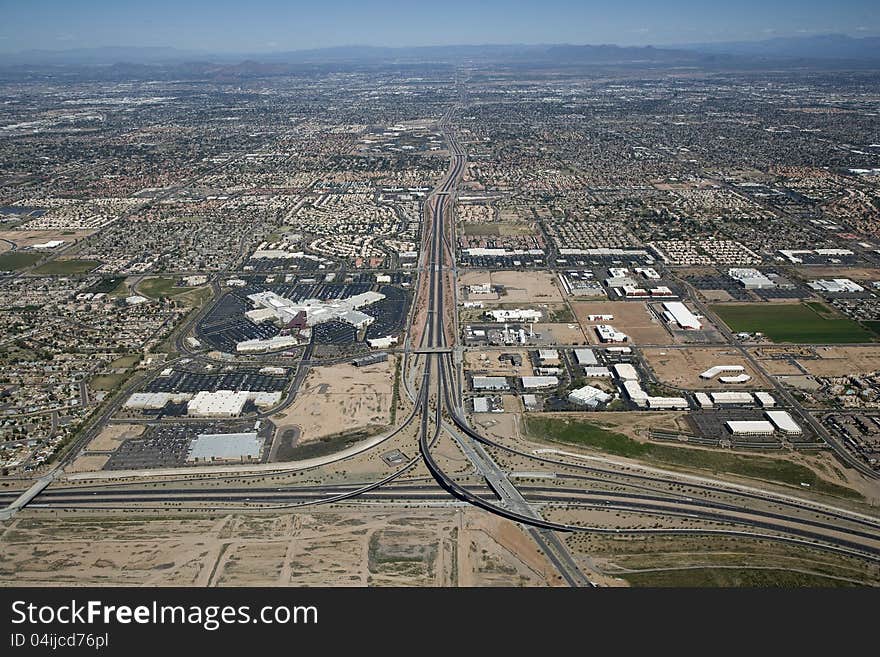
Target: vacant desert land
{"points": [[332, 547], [682, 367], [840, 361], [519, 287], [340, 398], [486, 361], [633, 318]]}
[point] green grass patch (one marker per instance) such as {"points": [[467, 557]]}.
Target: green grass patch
{"points": [[733, 577], [65, 267], [810, 323], [593, 436], [126, 361], [161, 286], [107, 382], [15, 260]]}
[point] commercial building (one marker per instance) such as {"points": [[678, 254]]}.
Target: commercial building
{"points": [[836, 286], [750, 427], [751, 279], [732, 399], [783, 421], [625, 372], [226, 447], [490, 383], [585, 357], [316, 311], [589, 396], [548, 356], [765, 399], [514, 315], [533, 382], [608, 333], [739, 378], [596, 372], [677, 311], [223, 403], [714, 371]]}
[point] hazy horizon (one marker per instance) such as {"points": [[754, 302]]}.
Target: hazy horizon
{"points": [[267, 26]]}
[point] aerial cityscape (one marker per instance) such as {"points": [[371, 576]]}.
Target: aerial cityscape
{"points": [[449, 316]]}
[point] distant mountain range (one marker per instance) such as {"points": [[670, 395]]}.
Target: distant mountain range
{"points": [[820, 50]]}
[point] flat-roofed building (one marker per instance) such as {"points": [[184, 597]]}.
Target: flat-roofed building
{"points": [[226, 447], [589, 396], [534, 382], [750, 427], [625, 372], [784, 422], [585, 357], [682, 315], [490, 383]]}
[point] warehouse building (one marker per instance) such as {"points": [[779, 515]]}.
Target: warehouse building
{"points": [[765, 399], [751, 279], [625, 372], [678, 312], [589, 396], [750, 427], [732, 399], [739, 378], [608, 333], [534, 382], [515, 315], [490, 383], [597, 372], [784, 422], [714, 371], [585, 357]]}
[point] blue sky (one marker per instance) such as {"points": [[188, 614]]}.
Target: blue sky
{"points": [[273, 25]]}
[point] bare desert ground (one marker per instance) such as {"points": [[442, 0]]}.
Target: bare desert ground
{"points": [[682, 367], [340, 398], [334, 547], [633, 318]]}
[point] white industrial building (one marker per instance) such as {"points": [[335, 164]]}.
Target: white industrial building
{"points": [[548, 356], [667, 402], [534, 382], [625, 372], [677, 311], [714, 371], [481, 404], [750, 427], [836, 286], [514, 315], [608, 333], [783, 421], [585, 357], [589, 396], [703, 400], [765, 399], [490, 383], [739, 378], [751, 279], [732, 399], [596, 372]]}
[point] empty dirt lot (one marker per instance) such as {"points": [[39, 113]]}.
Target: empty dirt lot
{"points": [[519, 287], [682, 367], [340, 398], [633, 318], [840, 361], [333, 547]]}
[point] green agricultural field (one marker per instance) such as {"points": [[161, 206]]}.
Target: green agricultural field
{"points": [[813, 323], [66, 267], [14, 260], [594, 436]]}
